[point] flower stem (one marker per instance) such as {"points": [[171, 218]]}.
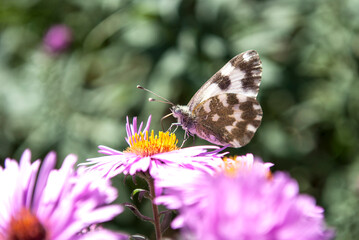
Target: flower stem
{"points": [[156, 216]]}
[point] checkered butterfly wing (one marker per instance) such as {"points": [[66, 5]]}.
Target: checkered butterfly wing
{"points": [[241, 75], [225, 107]]}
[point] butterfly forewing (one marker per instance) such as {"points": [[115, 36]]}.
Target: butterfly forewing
{"points": [[225, 111], [228, 119], [241, 75]]}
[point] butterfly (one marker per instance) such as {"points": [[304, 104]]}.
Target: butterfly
{"points": [[224, 111]]}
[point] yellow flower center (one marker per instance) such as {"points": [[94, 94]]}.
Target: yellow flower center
{"points": [[142, 145], [233, 165]]}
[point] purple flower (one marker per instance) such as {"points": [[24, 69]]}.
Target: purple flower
{"points": [[53, 204], [57, 38], [150, 153], [248, 205]]}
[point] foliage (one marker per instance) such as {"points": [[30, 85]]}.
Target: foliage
{"points": [[75, 100]]}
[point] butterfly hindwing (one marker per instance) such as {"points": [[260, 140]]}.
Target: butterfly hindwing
{"points": [[228, 119], [241, 75]]}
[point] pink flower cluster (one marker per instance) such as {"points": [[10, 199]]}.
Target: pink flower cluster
{"points": [[54, 204], [216, 197]]}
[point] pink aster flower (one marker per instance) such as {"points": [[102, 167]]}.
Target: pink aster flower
{"points": [[53, 204], [150, 153], [248, 205], [57, 38]]}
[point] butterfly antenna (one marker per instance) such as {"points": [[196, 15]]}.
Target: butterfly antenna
{"points": [[153, 99]]}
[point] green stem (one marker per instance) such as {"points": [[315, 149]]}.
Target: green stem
{"points": [[156, 216]]}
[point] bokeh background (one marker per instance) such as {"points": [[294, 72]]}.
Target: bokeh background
{"points": [[70, 89]]}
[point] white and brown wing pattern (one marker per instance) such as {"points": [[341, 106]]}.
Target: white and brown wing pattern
{"points": [[228, 119], [225, 111], [241, 75]]}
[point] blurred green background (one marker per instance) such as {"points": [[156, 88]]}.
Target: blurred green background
{"points": [[72, 100]]}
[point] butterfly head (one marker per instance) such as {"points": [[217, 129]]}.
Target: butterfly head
{"points": [[184, 117]]}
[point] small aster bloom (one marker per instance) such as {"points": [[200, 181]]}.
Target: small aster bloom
{"points": [[57, 38], [231, 165], [247, 205], [53, 204], [148, 152]]}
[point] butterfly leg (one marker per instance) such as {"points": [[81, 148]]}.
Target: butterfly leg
{"points": [[164, 118], [173, 124], [186, 137]]}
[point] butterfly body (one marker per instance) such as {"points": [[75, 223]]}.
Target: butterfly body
{"points": [[185, 118], [224, 110]]}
